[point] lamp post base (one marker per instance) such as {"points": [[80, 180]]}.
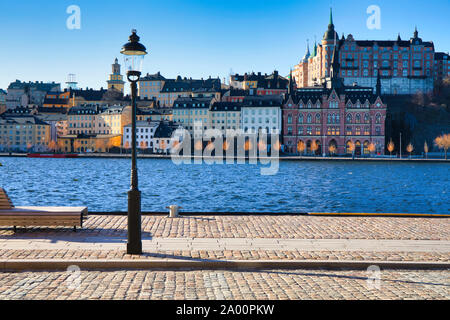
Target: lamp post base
{"points": [[134, 244]]}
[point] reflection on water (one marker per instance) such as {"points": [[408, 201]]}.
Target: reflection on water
{"points": [[102, 185]]}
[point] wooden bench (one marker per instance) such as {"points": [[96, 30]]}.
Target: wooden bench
{"points": [[39, 216]]}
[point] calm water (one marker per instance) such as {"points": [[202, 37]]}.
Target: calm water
{"points": [[101, 184]]}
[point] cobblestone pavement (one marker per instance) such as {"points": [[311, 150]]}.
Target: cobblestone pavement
{"points": [[255, 226], [207, 284], [226, 254]]}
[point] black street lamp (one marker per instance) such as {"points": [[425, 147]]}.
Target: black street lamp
{"points": [[134, 53]]}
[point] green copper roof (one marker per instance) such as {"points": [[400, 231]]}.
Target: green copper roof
{"points": [[331, 15]]}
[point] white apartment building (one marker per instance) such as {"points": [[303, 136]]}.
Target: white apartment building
{"points": [[261, 113], [145, 130]]}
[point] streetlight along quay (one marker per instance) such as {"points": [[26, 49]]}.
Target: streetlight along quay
{"points": [[134, 53]]}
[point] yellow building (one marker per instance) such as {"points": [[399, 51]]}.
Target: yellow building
{"points": [[24, 132], [89, 142], [115, 79]]}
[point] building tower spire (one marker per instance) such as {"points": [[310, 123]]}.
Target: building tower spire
{"points": [[378, 86], [291, 86], [331, 16], [307, 53]]}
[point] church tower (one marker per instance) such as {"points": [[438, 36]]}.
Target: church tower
{"points": [[328, 44], [115, 79]]}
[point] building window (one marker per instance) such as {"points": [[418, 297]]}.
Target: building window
{"points": [[378, 131], [349, 118], [378, 118]]}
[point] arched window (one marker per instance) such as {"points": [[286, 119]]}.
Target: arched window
{"points": [[329, 118], [338, 120], [334, 118], [309, 118], [317, 118], [366, 118], [309, 105], [300, 118], [358, 118], [358, 131], [349, 118], [378, 118], [289, 119]]}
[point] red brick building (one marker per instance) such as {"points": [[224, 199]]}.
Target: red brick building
{"points": [[405, 66], [334, 114]]}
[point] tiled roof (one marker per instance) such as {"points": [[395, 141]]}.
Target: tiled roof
{"points": [[88, 94], [226, 106], [55, 101], [153, 77], [61, 110], [441, 56], [39, 86], [188, 102], [86, 109], [21, 119], [390, 43], [113, 110], [263, 101], [184, 84]]}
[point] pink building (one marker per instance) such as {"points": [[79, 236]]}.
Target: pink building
{"points": [[405, 66], [334, 114]]}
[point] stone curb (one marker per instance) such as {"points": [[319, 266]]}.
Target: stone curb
{"points": [[141, 264]]}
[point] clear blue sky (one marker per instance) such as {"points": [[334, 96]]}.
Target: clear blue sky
{"points": [[193, 38]]}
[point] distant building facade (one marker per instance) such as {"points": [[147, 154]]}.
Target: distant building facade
{"points": [[441, 66], [261, 113], [166, 91], [145, 130], [3, 94], [259, 84], [23, 132], [334, 118], [405, 66], [23, 94], [193, 114]]}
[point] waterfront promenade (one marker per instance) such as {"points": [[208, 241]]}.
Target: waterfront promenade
{"points": [[186, 258]]}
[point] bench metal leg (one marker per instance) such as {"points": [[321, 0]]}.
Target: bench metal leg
{"points": [[74, 228], [15, 229]]}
